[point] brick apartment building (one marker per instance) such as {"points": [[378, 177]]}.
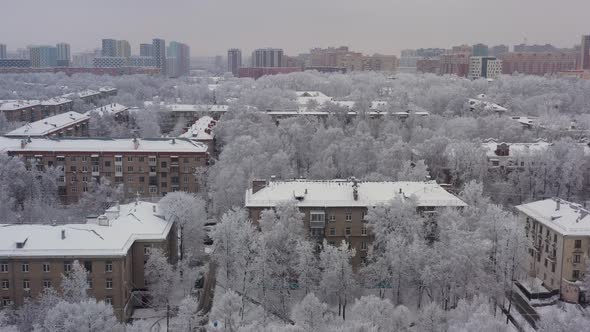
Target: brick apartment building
{"points": [[150, 167], [113, 248], [454, 64], [335, 209], [21, 110], [56, 106], [559, 245], [538, 63]]}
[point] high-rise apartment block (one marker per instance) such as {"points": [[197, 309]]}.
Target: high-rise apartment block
{"points": [[109, 47], [159, 54], [585, 56], [3, 51], [267, 57], [455, 61], [146, 50], [234, 60], [484, 67], [499, 50], [43, 56], [480, 50], [63, 54], [534, 48], [123, 49], [178, 59]]}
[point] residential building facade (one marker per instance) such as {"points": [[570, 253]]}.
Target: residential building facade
{"points": [[63, 54], [585, 50], [558, 234], [146, 50], [484, 67], [113, 249], [334, 210], [159, 54], [43, 56], [3, 51], [148, 167], [534, 63], [267, 57]]}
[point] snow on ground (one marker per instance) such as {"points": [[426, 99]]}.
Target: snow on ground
{"points": [[521, 321]]}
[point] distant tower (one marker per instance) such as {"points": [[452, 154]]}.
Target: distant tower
{"points": [[267, 57], [109, 47], [146, 50], [159, 54], [234, 60], [585, 59], [2, 51], [63, 54]]}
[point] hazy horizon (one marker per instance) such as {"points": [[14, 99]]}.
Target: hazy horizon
{"points": [[210, 27]]}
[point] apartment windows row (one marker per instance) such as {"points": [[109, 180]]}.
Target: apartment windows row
{"points": [[46, 283], [347, 231], [46, 267]]}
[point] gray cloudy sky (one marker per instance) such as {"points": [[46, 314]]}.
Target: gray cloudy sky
{"points": [[212, 26]]}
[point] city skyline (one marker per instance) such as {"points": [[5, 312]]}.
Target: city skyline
{"points": [[422, 24]]}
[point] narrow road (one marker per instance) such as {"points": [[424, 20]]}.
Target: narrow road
{"points": [[208, 292], [525, 309]]}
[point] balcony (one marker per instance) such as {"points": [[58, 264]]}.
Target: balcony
{"points": [[317, 224]]}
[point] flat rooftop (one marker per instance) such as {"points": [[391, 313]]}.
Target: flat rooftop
{"points": [[564, 217], [47, 126]]}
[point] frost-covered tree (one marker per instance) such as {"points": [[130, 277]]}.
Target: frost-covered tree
{"points": [[337, 278], [558, 320], [87, 315], [160, 278], [226, 311], [380, 313], [311, 314], [189, 213], [188, 318], [74, 284]]}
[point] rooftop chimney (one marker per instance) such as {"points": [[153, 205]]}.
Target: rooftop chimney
{"points": [[557, 204], [154, 208], [135, 143], [63, 234]]}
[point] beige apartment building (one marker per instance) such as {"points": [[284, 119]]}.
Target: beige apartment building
{"points": [[559, 246], [148, 167], [335, 209], [112, 247]]}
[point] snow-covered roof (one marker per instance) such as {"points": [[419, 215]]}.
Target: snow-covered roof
{"points": [[55, 101], [111, 109], [487, 106], [81, 94], [99, 145], [339, 193], [194, 108], [491, 145], [304, 97], [47, 126], [568, 219], [126, 224], [107, 89], [201, 130], [13, 105]]}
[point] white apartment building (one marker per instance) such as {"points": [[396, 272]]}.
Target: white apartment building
{"points": [[484, 67]]}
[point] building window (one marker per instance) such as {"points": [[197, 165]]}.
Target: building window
{"points": [[5, 284], [67, 266], [46, 267], [88, 266], [576, 274], [107, 164], [25, 267], [118, 159], [364, 231], [163, 164], [552, 267], [347, 232], [332, 231], [164, 174], [332, 218], [26, 284], [348, 217], [4, 267], [6, 301], [108, 300], [578, 244], [89, 282], [577, 258], [129, 159], [554, 237], [84, 168], [317, 216], [108, 266], [129, 168], [109, 283], [147, 249], [46, 283], [141, 159], [84, 159], [363, 245], [73, 158]]}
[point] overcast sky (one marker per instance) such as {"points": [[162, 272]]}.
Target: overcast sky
{"points": [[212, 26]]}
